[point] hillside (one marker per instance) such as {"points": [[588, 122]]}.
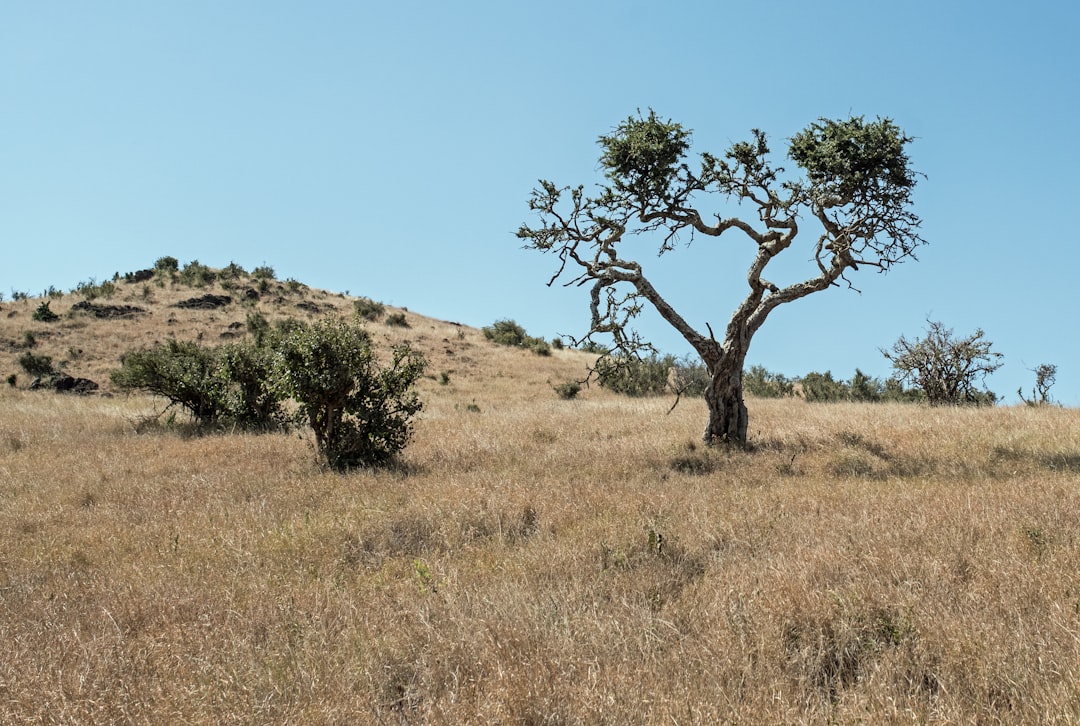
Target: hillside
{"points": [[98, 323], [531, 560]]}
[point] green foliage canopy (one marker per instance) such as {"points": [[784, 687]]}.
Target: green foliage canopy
{"points": [[360, 412]]}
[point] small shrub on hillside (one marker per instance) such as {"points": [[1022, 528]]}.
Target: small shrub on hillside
{"points": [[232, 271], [508, 332], [631, 375], [397, 320], [36, 365], [44, 314], [12, 379], [91, 290], [197, 274], [539, 346], [29, 339], [568, 390], [505, 332], [16, 295], [368, 309], [259, 327], [263, 272], [167, 265], [361, 413], [295, 286]]}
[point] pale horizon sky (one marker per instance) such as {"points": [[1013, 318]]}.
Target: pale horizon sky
{"points": [[388, 150]]}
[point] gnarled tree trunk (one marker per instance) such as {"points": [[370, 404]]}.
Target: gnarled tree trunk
{"points": [[724, 398]]}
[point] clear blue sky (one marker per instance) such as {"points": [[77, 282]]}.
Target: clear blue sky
{"points": [[388, 149]]}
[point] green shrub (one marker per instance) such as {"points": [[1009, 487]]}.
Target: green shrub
{"points": [[689, 377], [12, 379], [259, 327], [505, 332], [823, 388], [369, 309], [91, 290], [568, 390], [228, 386], [360, 412], [508, 332], [167, 265], [29, 339], [538, 346], [633, 375], [761, 383], [232, 272], [397, 320], [36, 365], [44, 314], [245, 375], [263, 272], [197, 274]]}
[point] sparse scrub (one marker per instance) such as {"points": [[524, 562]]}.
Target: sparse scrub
{"points": [[509, 333], [167, 265], [567, 390], [264, 273], [196, 274], [36, 365], [761, 383], [397, 320], [44, 314], [633, 375], [368, 309]]}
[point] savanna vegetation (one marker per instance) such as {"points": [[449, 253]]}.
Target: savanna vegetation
{"points": [[530, 557]]}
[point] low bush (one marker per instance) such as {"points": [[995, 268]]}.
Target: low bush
{"points": [[508, 332], [197, 274], [368, 309], [397, 320], [633, 375], [44, 314], [229, 386], [36, 365], [568, 390]]}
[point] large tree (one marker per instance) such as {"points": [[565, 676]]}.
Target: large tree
{"points": [[855, 189]]}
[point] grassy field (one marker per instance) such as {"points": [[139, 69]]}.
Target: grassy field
{"points": [[532, 560]]}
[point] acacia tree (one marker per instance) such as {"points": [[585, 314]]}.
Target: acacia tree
{"points": [[855, 188], [947, 369]]}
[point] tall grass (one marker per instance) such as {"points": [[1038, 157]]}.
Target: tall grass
{"points": [[543, 561]]}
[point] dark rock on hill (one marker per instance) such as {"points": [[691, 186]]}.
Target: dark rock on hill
{"points": [[205, 302]]}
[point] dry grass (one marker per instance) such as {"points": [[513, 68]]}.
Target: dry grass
{"points": [[542, 561]]}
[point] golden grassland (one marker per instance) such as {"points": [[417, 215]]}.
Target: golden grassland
{"points": [[536, 560]]}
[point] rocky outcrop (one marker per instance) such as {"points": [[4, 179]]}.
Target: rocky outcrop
{"points": [[205, 302], [107, 311]]}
